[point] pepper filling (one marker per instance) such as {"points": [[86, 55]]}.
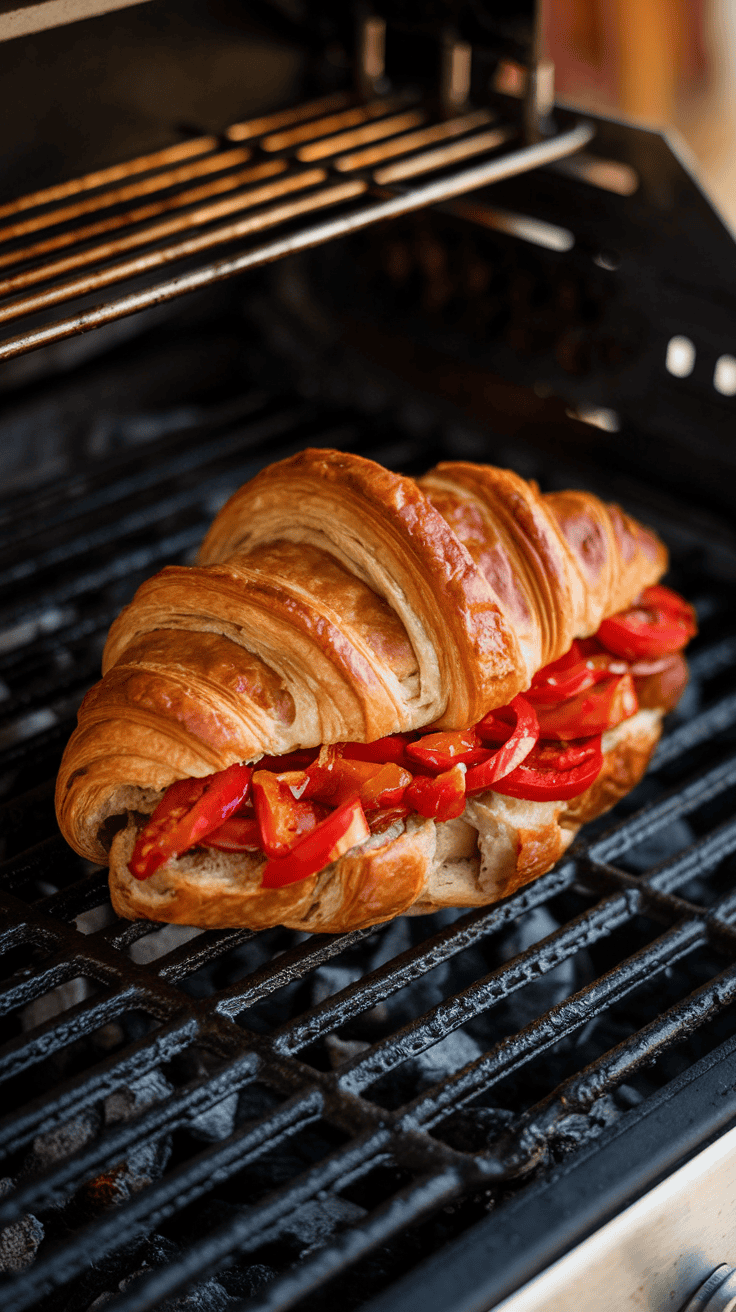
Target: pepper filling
{"points": [[305, 809]]}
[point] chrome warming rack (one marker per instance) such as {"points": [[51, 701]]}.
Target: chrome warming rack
{"points": [[646, 921], [311, 173]]}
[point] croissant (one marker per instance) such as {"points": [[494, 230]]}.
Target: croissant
{"points": [[336, 601]]}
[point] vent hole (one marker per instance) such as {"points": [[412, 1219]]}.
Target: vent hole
{"points": [[598, 417], [680, 358], [724, 376]]}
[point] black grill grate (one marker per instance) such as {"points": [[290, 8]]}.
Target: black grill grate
{"points": [[631, 963]]}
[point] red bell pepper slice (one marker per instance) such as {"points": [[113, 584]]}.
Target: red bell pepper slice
{"points": [[553, 772], [592, 711], [438, 797], [573, 673], [515, 728], [282, 820], [332, 838], [657, 624], [238, 834], [382, 750], [188, 811], [339, 779], [440, 751]]}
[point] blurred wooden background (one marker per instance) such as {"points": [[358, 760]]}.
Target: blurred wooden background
{"points": [[664, 63]]}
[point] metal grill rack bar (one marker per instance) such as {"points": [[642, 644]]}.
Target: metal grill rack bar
{"points": [[127, 222], [688, 909]]}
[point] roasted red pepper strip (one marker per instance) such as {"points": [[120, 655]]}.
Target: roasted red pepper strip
{"points": [[339, 779], [591, 711], [552, 772], [189, 810], [440, 751], [566, 678], [238, 834], [441, 797], [332, 838], [515, 747], [658, 623], [333, 780], [387, 788], [392, 748], [281, 819]]}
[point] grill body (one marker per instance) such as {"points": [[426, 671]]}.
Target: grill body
{"points": [[633, 934], [440, 1109]]}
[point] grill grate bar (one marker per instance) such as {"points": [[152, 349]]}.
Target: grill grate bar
{"points": [[615, 1067], [679, 800], [47, 859], [42, 700], [108, 275], [90, 254], [406, 1208], [449, 1015], [717, 658], [36, 653], [288, 966], [291, 419], [74, 1096], [511, 1053], [190, 957], [16, 935], [51, 1189], [73, 900], [697, 860], [130, 1221], [37, 1045], [701, 729], [43, 980], [191, 498], [409, 966], [118, 567]]}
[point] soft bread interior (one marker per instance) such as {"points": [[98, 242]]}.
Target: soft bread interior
{"points": [[420, 866]]}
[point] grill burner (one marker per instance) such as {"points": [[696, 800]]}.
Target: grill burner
{"points": [[299, 1120]]}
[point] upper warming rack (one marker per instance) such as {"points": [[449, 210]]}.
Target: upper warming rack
{"points": [[264, 188]]}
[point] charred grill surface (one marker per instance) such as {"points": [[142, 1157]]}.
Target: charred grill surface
{"points": [[289, 1120]]}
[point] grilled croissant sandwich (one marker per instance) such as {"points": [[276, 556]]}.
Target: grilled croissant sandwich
{"points": [[373, 695]]}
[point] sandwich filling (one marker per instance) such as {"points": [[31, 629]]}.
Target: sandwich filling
{"points": [[304, 810]]}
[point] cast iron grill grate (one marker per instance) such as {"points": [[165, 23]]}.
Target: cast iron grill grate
{"points": [[292, 1119]]}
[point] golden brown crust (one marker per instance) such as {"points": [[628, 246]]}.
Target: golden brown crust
{"points": [[338, 601], [515, 841], [558, 563], [382, 528], [216, 892]]}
